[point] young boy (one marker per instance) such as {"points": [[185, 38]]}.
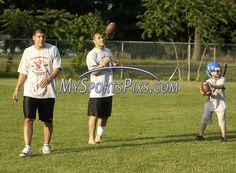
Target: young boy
{"points": [[216, 101]]}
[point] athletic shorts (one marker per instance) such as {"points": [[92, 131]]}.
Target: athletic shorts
{"points": [[221, 114], [100, 107], [45, 108]]}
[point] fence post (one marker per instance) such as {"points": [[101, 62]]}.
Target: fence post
{"points": [[121, 72], [122, 48], [214, 53], [189, 58]]}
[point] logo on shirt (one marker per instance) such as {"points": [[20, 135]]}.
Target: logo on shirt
{"points": [[39, 65]]}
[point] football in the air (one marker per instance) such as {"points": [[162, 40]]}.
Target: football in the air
{"points": [[111, 27], [206, 88]]}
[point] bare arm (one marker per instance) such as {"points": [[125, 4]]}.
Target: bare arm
{"points": [[106, 60], [217, 86], [45, 82], [20, 82]]}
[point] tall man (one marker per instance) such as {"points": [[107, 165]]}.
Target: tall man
{"points": [[39, 66], [100, 101]]}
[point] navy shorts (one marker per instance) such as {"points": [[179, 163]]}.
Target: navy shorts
{"points": [[45, 108], [100, 107]]}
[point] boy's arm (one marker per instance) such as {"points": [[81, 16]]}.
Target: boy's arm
{"points": [[217, 86]]}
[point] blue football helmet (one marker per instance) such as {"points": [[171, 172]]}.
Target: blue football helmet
{"points": [[212, 66]]}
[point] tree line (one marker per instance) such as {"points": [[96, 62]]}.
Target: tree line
{"points": [[198, 21]]}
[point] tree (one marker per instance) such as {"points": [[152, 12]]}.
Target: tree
{"points": [[58, 24], [199, 20], [73, 6], [17, 23], [79, 33], [124, 13]]}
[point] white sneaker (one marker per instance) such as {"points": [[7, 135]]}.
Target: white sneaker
{"points": [[46, 149], [26, 152]]}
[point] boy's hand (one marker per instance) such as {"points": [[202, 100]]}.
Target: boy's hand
{"points": [[203, 93]]}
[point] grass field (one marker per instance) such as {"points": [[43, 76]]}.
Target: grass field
{"points": [[146, 133], [160, 67]]}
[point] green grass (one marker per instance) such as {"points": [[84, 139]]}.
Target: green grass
{"points": [[161, 68], [146, 133]]}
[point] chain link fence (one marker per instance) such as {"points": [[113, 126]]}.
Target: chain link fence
{"points": [[160, 58]]}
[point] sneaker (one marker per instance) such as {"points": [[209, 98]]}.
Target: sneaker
{"points": [[46, 149], [199, 137], [223, 139], [26, 152]]}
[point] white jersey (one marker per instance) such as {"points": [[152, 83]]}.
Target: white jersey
{"points": [[217, 100], [102, 82], [38, 64]]}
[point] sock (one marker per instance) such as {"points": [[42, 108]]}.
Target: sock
{"points": [[28, 146], [100, 130]]}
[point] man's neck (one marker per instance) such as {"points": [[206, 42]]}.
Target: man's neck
{"points": [[100, 47], [38, 47]]}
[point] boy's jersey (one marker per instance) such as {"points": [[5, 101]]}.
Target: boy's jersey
{"points": [[217, 98]]}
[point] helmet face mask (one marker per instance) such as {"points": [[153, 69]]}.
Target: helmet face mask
{"points": [[212, 66]]}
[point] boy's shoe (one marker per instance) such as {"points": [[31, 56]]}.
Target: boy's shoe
{"points": [[46, 149], [223, 139], [26, 152], [199, 137]]}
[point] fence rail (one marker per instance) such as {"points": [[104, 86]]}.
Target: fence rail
{"points": [[166, 52]]}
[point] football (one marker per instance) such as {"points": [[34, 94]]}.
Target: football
{"points": [[206, 88], [111, 27]]}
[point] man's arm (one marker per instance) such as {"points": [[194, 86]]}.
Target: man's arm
{"points": [[20, 82], [45, 82], [105, 61]]}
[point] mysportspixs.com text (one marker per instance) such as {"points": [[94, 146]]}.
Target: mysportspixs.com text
{"points": [[84, 85]]}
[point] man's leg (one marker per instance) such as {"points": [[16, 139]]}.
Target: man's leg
{"points": [[101, 123], [48, 129], [92, 124], [223, 130], [28, 131]]}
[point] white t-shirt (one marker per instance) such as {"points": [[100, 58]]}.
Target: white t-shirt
{"points": [[38, 64], [102, 83], [217, 100]]}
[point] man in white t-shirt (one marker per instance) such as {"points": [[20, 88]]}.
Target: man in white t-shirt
{"points": [[39, 66], [100, 99]]}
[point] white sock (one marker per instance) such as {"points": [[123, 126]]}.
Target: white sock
{"points": [[100, 130], [28, 146]]}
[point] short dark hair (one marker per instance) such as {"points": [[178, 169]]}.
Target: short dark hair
{"points": [[39, 30], [97, 33]]}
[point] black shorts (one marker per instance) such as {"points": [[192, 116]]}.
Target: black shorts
{"points": [[45, 108], [100, 107]]}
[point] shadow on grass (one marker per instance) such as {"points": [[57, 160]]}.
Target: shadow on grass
{"points": [[209, 136], [142, 141]]}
